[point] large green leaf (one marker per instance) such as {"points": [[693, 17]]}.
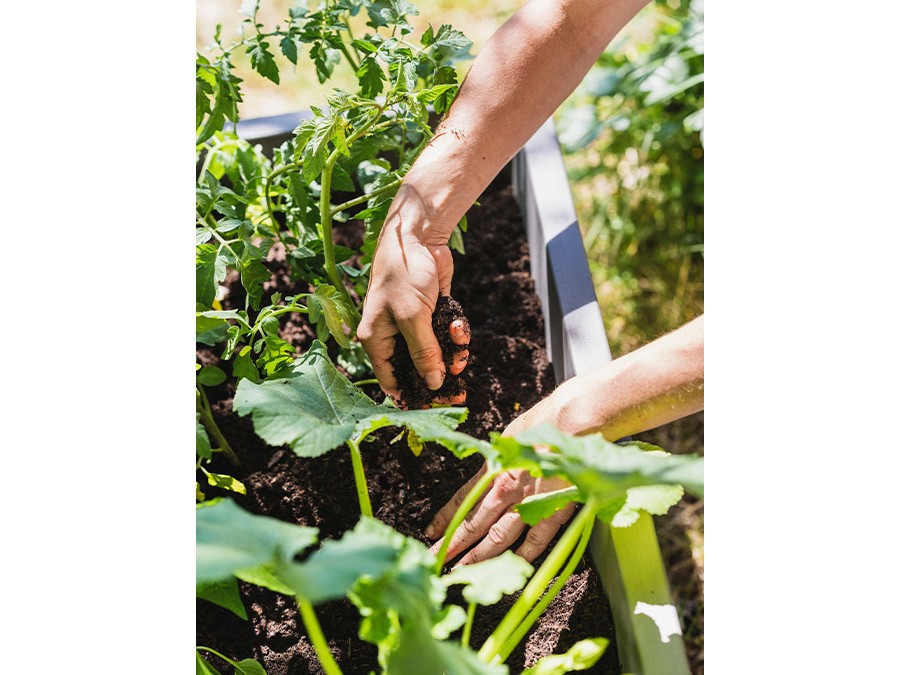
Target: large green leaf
{"points": [[418, 653], [230, 539], [600, 468], [319, 409], [366, 551], [489, 580]]}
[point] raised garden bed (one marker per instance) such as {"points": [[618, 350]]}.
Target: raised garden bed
{"points": [[534, 322]]}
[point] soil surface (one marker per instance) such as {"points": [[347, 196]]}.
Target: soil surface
{"points": [[508, 373]]}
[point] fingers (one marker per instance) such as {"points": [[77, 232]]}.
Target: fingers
{"points": [[500, 537], [424, 349], [460, 359], [442, 519], [377, 338], [486, 513], [458, 399], [541, 534], [460, 332]]}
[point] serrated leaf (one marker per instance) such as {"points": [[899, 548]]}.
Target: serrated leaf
{"points": [[204, 449], [316, 151], [224, 593], [539, 506], [327, 305], [230, 539], [244, 366], [262, 60], [253, 275], [325, 59], [203, 235], [371, 77], [581, 656], [428, 36], [488, 581], [319, 409], [289, 48], [210, 376], [211, 270]]}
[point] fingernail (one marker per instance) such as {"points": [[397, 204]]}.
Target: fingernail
{"points": [[434, 379]]}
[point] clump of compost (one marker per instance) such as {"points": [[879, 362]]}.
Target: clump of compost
{"points": [[414, 392]]}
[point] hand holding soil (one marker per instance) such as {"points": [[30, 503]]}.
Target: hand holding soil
{"points": [[452, 332]]}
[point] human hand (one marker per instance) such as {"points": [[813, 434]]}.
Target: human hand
{"points": [[493, 526], [408, 274]]}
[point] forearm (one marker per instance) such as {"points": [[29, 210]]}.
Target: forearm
{"points": [[525, 71], [656, 384]]}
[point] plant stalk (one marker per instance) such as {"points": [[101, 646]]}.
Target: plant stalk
{"points": [[359, 477], [360, 200], [467, 505], [538, 583], [467, 629], [206, 419], [317, 637], [522, 629]]}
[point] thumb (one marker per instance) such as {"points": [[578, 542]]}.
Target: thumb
{"points": [[424, 349]]}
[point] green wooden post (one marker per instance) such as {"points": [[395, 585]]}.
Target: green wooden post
{"points": [[648, 633]]}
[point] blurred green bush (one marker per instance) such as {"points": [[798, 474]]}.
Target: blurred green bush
{"points": [[633, 137]]}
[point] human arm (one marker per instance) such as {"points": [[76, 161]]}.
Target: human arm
{"points": [[656, 384], [527, 68]]}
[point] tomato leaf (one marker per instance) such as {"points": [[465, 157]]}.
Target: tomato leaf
{"points": [[262, 60]]}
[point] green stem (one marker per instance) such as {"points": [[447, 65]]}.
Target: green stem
{"points": [[359, 477], [326, 215], [467, 629], [216, 235], [317, 637], [522, 629], [206, 419], [538, 583], [219, 654], [467, 505], [295, 166], [350, 60], [361, 383], [360, 200]]}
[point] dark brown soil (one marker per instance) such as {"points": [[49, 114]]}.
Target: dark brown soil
{"points": [[414, 393], [512, 373]]}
